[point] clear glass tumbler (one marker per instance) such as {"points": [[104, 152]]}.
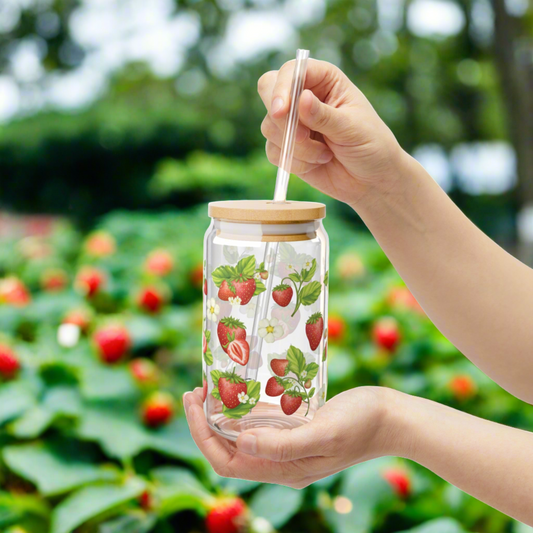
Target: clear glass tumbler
{"points": [[265, 315]]}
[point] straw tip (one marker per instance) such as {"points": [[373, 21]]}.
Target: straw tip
{"points": [[302, 54]]}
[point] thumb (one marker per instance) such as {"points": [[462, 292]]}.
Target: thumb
{"points": [[320, 117], [281, 445]]}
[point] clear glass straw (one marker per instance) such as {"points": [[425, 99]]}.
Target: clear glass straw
{"points": [[280, 195]]}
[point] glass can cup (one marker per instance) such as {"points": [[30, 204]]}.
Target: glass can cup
{"points": [[264, 339]]}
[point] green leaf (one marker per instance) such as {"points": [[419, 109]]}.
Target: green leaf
{"points": [[310, 293], [216, 394], [207, 334], [439, 525], [312, 370], [100, 382], [56, 467], [253, 389], [295, 277], [133, 522], [32, 423], [311, 393], [208, 357], [296, 360], [307, 275], [326, 279], [246, 266], [285, 383], [259, 287], [15, 399], [276, 503], [223, 273], [215, 376], [237, 412], [92, 501]]}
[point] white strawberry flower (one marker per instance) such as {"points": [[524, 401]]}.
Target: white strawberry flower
{"points": [[234, 301], [213, 309], [248, 309], [243, 397], [252, 401], [270, 330], [303, 374], [68, 335], [257, 276]]}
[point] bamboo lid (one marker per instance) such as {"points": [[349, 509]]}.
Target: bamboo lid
{"points": [[266, 211]]}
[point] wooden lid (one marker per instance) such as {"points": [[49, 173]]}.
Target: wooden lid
{"points": [[266, 211]]}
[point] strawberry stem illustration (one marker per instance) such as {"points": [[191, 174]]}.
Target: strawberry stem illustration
{"points": [[303, 391]]}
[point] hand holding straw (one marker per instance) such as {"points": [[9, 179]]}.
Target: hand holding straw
{"points": [[280, 195]]}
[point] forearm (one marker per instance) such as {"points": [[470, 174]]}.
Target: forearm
{"points": [[491, 462], [478, 295]]}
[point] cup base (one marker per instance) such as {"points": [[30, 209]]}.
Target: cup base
{"points": [[263, 415]]}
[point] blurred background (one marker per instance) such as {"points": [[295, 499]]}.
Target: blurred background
{"points": [[119, 121]]}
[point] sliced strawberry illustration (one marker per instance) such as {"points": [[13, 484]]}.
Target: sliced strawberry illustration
{"points": [[279, 366], [229, 388], [230, 329], [239, 351], [290, 402], [313, 329], [282, 294], [273, 388]]}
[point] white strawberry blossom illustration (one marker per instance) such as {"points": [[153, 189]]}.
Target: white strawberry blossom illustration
{"points": [[243, 397], [257, 276], [252, 401], [303, 374], [213, 309], [270, 330], [234, 301]]}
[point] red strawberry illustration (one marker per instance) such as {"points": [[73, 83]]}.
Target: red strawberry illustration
{"points": [[229, 388], [279, 366], [239, 351], [273, 388], [282, 294], [313, 329], [205, 287], [290, 402], [204, 387], [225, 292], [307, 384], [264, 274], [230, 329], [204, 343], [245, 289]]}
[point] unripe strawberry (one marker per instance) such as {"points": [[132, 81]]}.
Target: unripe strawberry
{"points": [[350, 266], [78, 317], [90, 280], [263, 275], [157, 409], [112, 342], [152, 298], [14, 292], [144, 371], [386, 334], [227, 515], [401, 298], [197, 275], [9, 362], [54, 280], [159, 263], [336, 328], [463, 387], [100, 244], [399, 480]]}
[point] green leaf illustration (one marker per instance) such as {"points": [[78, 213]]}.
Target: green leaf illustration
{"points": [[259, 287], [311, 393], [208, 357], [215, 376], [307, 275], [296, 360], [295, 277], [223, 273], [253, 390], [312, 370], [246, 266], [326, 279], [310, 293]]}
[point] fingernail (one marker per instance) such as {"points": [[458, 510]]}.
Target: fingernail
{"points": [[248, 444], [301, 134], [277, 104], [326, 157]]}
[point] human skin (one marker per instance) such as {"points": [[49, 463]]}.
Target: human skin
{"points": [[477, 294]]}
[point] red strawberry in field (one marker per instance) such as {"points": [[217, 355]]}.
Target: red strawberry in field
{"points": [[463, 387], [229, 388], [144, 371], [230, 329], [239, 351], [314, 327], [158, 409], [197, 275], [145, 500], [273, 388], [227, 515], [336, 328], [112, 342], [9, 362], [152, 298], [282, 294], [399, 480], [14, 292], [100, 244], [54, 279], [279, 366], [78, 317], [386, 334], [290, 402], [204, 389], [159, 263], [89, 281]]}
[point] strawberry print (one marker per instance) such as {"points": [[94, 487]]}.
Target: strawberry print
{"points": [[239, 351], [241, 281], [274, 387], [314, 328], [290, 402], [307, 291], [230, 387], [239, 397], [282, 294], [230, 329], [279, 366]]}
